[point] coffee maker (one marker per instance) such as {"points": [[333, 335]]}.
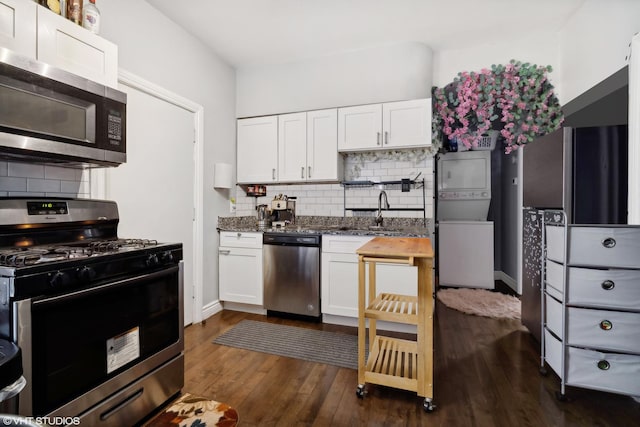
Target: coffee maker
{"points": [[283, 211]]}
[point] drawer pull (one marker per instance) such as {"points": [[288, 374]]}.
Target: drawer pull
{"points": [[609, 242], [606, 325], [224, 251], [604, 365], [607, 285]]}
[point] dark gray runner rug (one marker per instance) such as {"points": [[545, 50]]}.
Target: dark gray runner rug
{"points": [[300, 343]]}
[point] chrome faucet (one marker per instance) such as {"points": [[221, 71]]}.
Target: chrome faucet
{"points": [[379, 218]]}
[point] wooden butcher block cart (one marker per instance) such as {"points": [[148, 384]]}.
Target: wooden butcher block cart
{"points": [[393, 362]]}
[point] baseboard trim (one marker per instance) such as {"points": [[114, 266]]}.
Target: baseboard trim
{"points": [[246, 308], [211, 309], [510, 281]]}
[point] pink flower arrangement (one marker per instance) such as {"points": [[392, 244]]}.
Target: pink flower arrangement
{"points": [[519, 95]]}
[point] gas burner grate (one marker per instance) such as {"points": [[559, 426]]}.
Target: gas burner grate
{"points": [[25, 256], [22, 257], [114, 245]]}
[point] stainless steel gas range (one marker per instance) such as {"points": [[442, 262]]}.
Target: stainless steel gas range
{"points": [[99, 319]]}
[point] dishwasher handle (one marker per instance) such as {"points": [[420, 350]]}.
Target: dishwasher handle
{"points": [[291, 239]]}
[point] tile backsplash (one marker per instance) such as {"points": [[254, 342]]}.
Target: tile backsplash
{"points": [[329, 199], [40, 180]]}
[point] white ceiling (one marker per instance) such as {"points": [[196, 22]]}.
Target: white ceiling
{"points": [[254, 32]]}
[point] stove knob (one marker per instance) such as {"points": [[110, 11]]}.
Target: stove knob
{"points": [[167, 257], [152, 260], [59, 279], [86, 274]]}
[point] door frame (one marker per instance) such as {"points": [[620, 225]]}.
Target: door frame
{"points": [[98, 181]]}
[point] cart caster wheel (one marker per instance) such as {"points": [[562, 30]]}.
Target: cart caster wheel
{"points": [[360, 391], [428, 405], [561, 397], [543, 371]]}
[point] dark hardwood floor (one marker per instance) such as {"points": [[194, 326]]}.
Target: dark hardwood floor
{"points": [[486, 374]]}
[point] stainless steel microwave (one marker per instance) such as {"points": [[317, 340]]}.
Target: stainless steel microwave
{"points": [[51, 115]]}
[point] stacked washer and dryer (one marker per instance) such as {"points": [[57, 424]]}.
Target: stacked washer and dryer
{"points": [[465, 237]]}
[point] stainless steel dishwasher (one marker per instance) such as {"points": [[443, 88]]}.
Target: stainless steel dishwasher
{"points": [[291, 271]]}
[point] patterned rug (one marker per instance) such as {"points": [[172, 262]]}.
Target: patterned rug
{"points": [[480, 302], [194, 411]]}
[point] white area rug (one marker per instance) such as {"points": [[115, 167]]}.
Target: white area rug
{"points": [[480, 302]]}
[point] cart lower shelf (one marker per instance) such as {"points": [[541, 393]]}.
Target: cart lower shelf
{"points": [[393, 362]]}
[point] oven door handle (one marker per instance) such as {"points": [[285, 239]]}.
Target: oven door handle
{"points": [[111, 285]]}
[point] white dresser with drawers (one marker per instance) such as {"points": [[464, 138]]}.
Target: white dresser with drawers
{"points": [[591, 305]]}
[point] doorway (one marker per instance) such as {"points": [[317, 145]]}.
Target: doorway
{"points": [[156, 189]]}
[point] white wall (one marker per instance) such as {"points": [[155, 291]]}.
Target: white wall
{"points": [[594, 43], [541, 49], [386, 73], [155, 49], [590, 46]]}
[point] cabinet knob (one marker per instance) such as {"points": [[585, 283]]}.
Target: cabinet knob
{"points": [[607, 285], [224, 251], [378, 139], [606, 325], [302, 172], [273, 174], [386, 137], [609, 242], [604, 365], [309, 172]]}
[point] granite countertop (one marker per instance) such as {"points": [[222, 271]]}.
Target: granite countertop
{"points": [[354, 226]]}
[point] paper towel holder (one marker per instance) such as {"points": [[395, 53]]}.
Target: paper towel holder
{"points": [[222, 175]]}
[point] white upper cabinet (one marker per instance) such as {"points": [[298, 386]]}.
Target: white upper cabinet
{"points": [[292, 147], [296, 147], [307, 146], [257, 145], [66, 45], [401, 124], [406, 123], [18, 26], [323, 161], [38, 33], [360, 127]]}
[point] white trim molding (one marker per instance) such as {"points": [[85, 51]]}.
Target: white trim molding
{"points": [[99, 180], [510, 281], [211, 309], [634, 132]]}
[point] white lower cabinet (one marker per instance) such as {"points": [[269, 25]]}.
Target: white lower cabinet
{"points": [[240, 268], [339, 275], [591, 312]]}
